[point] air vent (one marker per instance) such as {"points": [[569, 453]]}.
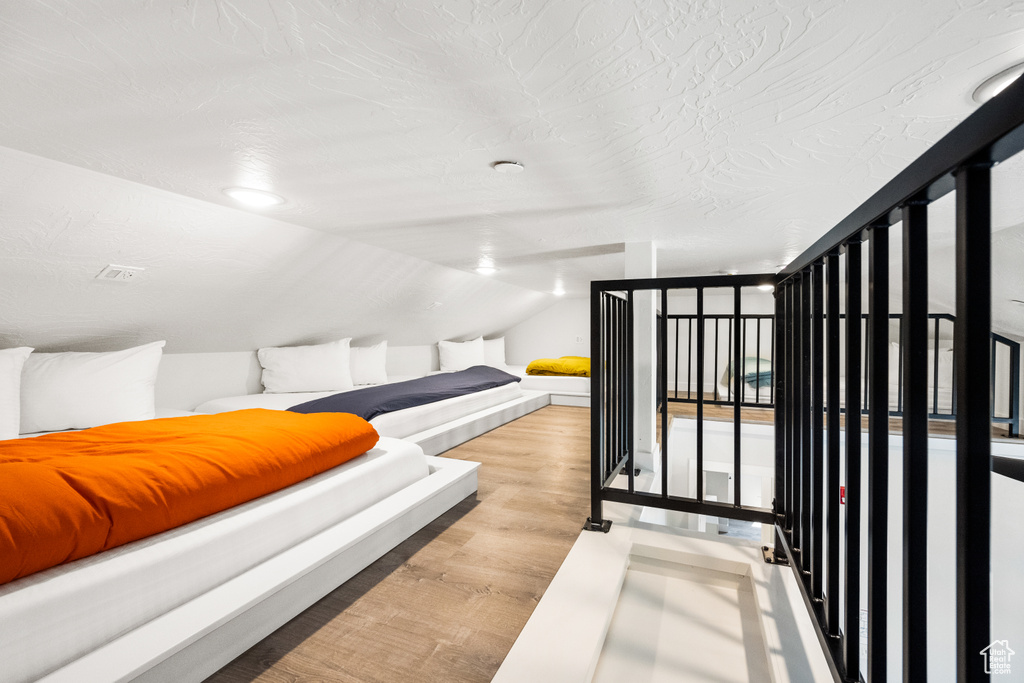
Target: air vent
{"points": [[119, 273]]}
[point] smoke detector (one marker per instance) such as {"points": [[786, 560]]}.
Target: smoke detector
{"points": [[119, 273]]}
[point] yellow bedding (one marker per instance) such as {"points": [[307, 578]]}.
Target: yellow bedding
{"points": [[571, 366]]}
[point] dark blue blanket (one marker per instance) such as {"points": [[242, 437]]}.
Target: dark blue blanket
{"points": [[370, 402]]}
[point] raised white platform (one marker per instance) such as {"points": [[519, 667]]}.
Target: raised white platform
{"points": [[743, 620], [193, 641], [437, 440], [570, 398]]}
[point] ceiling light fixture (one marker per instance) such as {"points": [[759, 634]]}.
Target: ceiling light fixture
{"points": [[559, 290], [996, 84], [256, 198], [485, 266], [507, 167], [766, 288]]}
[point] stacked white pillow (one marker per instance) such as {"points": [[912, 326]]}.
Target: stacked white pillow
{"points": [[494, 353], [76, 390], [11, 362], [455, 356], [318, 367], [368, 364]]}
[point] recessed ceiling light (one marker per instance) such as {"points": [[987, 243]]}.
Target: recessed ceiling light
{"points": [[766, 288], [507, 167], [254, 198], [558, 291], [995, 85], [485, 266]]}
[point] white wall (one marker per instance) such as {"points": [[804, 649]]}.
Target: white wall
{"points": [[561, 330]]}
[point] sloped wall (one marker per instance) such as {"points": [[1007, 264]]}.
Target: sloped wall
{"points": [[562, 329], [216, 278]]}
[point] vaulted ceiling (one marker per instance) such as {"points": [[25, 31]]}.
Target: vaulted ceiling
{"points": [[732, 134]]}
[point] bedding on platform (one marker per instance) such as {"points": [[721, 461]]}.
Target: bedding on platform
{"points": [[69, 610], [570, 366], [370, 402], [399, 425], [70, 495]]}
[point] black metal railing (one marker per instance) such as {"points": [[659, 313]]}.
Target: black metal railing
{"points": [[681, 330], [612, 363], [809, 295], [812, 353]]}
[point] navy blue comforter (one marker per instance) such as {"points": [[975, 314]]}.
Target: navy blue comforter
{"points": [[370, 402]]}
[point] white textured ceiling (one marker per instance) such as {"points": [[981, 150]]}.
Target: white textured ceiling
{"points": [[731, 133]]}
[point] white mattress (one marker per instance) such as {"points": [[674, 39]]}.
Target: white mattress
{"points": [[399, 424], [55, 616], [551, 383]]}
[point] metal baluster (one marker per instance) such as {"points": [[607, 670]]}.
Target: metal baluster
{"points": [[851, 632], [973, 426], [914, 376], [816, 415], [878, 452]]}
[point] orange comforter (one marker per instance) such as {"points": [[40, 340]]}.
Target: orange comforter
{"points": [[69, 495]]}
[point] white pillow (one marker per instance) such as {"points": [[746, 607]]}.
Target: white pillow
{"points": [[321, 367], [494, 352], [11, 361], [81, 390], [367, 364], [461, 355]]}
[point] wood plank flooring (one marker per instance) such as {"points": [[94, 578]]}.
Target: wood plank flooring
{"points": [[447, 604]]}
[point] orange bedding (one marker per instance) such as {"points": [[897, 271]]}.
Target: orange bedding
{"points": [[69, 495]]}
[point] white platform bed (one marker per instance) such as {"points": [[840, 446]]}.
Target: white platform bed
{"points": [[436, 427], [564, 391], [179, 605]]}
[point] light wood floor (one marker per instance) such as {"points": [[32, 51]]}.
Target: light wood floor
{"points": [[448, 603]]}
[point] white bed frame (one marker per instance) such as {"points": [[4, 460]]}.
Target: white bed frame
{"points": [[196, 639]]}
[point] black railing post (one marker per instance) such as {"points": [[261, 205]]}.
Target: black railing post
{"points": [[790, 400], [663, 342], [851, 632], [914, 375], [779, 372], [973, 425], [626, 349], [832, 402], [816, 414], [700, 394], [805, 411], [878, 451], [738, 372], [597, 399]]}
